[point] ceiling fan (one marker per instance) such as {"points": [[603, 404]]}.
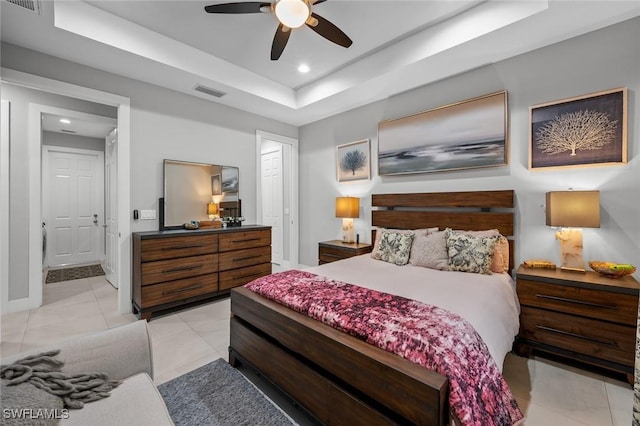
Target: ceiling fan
{"points": [[291, 14]]}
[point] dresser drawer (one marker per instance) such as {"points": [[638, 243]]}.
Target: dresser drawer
{"points": [[169, 270], [238, 277], [241, 258], [175, 247], [245, 239], [599, 339], [173, 291], [621, 308]]}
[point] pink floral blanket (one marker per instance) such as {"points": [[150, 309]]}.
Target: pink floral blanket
{"points": [[424, 334]]}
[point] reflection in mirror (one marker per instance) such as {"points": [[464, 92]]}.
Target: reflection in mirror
{"points": [[196, 191]]}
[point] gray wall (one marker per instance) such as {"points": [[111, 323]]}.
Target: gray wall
{"points": [[164, 124], [602, 60], [72, 141]]}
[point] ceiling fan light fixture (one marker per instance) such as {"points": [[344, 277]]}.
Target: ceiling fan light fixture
{"points": [[292, 13]]}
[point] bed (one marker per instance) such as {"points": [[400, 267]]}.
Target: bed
{"points": [[341, 379]]}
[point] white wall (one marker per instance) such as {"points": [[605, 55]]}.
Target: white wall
{"points": [[605, 59], [164, 124]]}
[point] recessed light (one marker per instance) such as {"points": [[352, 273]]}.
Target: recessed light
{"points": [[304, 68], [65, 121]]}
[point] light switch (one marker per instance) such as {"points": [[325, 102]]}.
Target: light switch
{"points": [[147, 214]]}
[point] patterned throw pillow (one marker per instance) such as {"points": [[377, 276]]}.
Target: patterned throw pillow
{"points": [[394, 247], [415, 232], [469, 253]]}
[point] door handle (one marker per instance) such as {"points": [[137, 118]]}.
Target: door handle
{"points": [[95, 218]]}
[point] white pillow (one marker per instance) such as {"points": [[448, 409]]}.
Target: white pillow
{"points": [[429, 250]]}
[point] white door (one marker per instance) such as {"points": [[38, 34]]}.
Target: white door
{"points": [[272, 205], [111, 208], [73, 205]]}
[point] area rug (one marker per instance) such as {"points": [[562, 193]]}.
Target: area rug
{"points": [[75, 273], [217, 394]]}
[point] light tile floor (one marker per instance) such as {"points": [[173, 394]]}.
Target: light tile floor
{"points": [[548, 392]]}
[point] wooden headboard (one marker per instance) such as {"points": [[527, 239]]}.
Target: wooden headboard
{"points": [[467, 210]]}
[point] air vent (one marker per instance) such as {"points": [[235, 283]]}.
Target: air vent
{"points": [[30, 5], [209, 91], [68, 131]]}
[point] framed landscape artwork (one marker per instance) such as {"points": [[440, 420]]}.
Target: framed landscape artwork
{"points": [[230, 181], [464, 135], [582, 131], [353, 161], [216, 185]]}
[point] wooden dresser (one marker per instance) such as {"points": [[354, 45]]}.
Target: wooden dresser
{"points": [[175, 267], [582, 316]]}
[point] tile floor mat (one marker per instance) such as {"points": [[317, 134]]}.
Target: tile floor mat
{"points": [[75, 273]]}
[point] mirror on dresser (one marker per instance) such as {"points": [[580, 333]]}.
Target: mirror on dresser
{"points": [[198, 191]]}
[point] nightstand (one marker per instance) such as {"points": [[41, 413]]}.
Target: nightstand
{"points": [[582, 316], [330, 251]]}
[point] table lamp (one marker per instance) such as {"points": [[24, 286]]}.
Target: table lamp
{"points": [[572, 210], [212, 210], [347, 208]]}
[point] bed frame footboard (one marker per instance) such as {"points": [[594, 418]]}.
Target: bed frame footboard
{"points": [[338, 378]]}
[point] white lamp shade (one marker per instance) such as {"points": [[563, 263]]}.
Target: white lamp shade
{"points": [[292, 13]]}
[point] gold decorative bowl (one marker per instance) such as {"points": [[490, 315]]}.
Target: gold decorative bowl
{"points": [[612, 270]]}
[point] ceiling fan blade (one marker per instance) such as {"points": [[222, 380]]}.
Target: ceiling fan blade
{"points": [[241, 7], [279, 41], [329, 31], [317, 2]]}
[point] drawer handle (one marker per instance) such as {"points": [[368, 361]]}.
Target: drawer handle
{"points": [[242, 277], [245, 240], [579, 336], [183, 247], [331, 255], [180, 290], [239, 259], [182, 268], [578, 302]]}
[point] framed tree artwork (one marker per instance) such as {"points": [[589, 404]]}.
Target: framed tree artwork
{"points": [[586, 130], [353, 161]]}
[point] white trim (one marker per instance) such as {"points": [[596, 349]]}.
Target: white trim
{"points": [[293, 195], [35, 203], [124, 177], [5, 107]]}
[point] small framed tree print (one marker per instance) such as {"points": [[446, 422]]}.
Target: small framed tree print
{"points": [[583, 131], [353, 161]]}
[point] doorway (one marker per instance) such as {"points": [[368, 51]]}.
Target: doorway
{"points": [[35, 288], [277, 195]]}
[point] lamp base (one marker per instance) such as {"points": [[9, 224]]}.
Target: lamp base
{"points": [[571, 249], [348, 233]]}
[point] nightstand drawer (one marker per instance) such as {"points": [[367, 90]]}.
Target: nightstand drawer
{"points": [[331, 254], [616, 307], [603, 340]]}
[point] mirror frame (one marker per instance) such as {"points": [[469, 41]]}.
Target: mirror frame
{"points": [[234, 206]]}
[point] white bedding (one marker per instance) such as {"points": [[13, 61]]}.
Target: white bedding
{"points": [[488, 302]]}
